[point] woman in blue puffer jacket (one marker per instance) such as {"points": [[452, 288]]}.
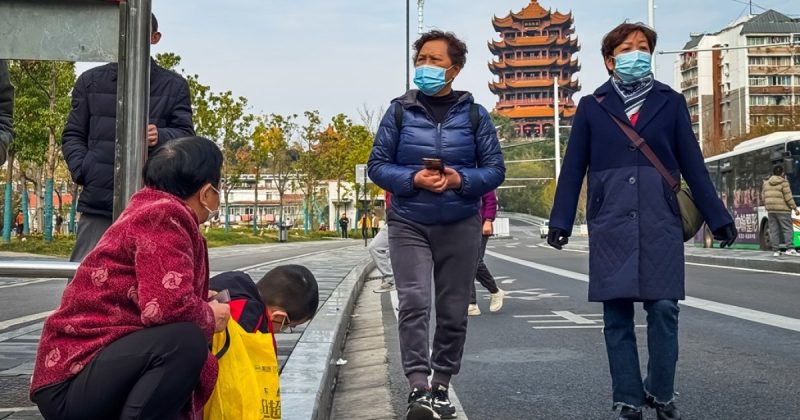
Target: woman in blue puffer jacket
{"points": [[437, 153]]}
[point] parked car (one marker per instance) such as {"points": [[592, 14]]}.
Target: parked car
{"points": [[543, 229]]}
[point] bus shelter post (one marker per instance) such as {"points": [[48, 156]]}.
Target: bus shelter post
{"points": [[133, 97]]}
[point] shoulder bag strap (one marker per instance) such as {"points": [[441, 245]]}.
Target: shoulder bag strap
{"points": [[643, 147]]}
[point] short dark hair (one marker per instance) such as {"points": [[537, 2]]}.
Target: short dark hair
{"points": [[153, 23], [456, 48], [618, 35], [777, 170], [182, 166], [292, 287]]}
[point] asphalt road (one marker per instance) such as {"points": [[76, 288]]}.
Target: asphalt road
{"points": [[543, 356]]}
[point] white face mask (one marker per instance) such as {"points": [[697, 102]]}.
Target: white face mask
{"points": [[212, 214]]}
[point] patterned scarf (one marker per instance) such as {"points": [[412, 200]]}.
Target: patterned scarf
{"points": [[633, 93]]}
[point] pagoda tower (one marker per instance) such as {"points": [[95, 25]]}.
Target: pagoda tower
{"points": [[536, 46]]}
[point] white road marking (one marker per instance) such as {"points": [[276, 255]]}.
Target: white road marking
{"points": [[575, 327], [509, 281], [453, 397], [270, 262], [27, 283], [23, 319], [15, 409], [780, 321]]}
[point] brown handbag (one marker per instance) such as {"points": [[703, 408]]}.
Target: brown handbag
{"points": [[691, 218]]}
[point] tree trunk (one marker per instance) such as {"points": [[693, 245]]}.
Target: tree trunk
{"points": [[255, 204], [8, 209], [52, 153], [227, 192], [73, 208]]}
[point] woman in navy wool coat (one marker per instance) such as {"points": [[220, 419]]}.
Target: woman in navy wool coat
{"points": [[635, 233]]}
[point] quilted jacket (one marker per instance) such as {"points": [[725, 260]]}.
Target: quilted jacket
{"points": [[88, 139], [635, 234], [778, 195], [6, 110], [398, 152]]}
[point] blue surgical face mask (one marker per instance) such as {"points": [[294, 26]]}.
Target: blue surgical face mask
{"points": [[430, 79], [632, 66]]}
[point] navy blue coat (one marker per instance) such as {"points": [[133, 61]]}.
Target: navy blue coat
{"points": [[397, 156], [635, 235], [88, 138]]}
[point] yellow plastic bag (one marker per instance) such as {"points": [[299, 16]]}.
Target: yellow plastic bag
{"points": [[248, 386]]}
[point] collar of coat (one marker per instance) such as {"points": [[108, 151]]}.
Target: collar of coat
{"points": [[410, 100], [655, 100], [153, 68]]}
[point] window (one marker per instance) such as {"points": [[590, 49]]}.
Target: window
{"points": [[797, 60], [758, 80], [769, 100], [757, 61], [779, 80], [756, 40], [793, 171], [779, 61]]}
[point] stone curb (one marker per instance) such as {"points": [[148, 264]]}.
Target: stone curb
{"points": [[309, 376]]}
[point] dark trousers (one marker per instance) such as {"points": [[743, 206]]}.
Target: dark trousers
{"points": [[450, 253], [343, 228], [483, 275], [90, 229], [623, 355], [149, 374]]}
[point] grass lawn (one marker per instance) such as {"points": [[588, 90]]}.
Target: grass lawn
{"points": [[61, 246]]}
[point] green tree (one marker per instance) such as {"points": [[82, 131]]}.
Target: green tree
{"points": [[280, 152], [309, 165], [42, 104]]}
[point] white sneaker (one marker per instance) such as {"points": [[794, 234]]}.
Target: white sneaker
{"points": [[497, 300], [776, 254], [474, 310], [385, 286], [791, 251]]}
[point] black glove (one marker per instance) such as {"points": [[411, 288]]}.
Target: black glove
{"points": [[557, 237], [726, 235]]}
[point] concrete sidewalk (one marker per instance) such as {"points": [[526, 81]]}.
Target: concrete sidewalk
{"points": [[339, 272]]}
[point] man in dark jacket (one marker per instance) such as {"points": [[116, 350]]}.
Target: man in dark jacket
{"points": [[6, 111], [88, 140]]}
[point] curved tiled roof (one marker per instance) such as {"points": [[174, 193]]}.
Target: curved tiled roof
{"points": [[535, 112], [541, 62], [532, 83], [531, 11]]}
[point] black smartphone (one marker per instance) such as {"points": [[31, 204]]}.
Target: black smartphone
{"points": [[433, 164]]}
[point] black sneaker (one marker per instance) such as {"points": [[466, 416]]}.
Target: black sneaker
{"points": [[442, 404], [628, 413], [420, 406], [664, 411]]}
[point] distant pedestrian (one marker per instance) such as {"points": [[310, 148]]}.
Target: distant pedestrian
{"points": [[6, 111], [375, 223], [344, 223], [88, 139], [437, 152], [635, 229], [778, 200], [484, 276], [379, 251], [133, 327], [20, 224], [59, 223]]}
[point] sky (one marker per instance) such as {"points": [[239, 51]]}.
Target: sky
{"points": [[339, 56]]}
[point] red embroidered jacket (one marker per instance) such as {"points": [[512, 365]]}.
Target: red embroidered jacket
{"points": [[150, 268]]}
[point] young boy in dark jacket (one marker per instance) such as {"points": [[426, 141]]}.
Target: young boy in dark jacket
{"points": [[287, 296]]}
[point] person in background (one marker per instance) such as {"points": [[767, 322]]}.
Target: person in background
{"points": [[375, 223], [379, 251], [437, 166], [6, 111], [778, 200], [635, 228], [20, 224], [88, 138], [344, 223], [484, 276], [130, 338], [59, 223]]}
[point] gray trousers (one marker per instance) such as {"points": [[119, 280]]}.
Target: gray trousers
{"points": [[91, 228], [781, 233], [379, 250], [450, 252], [483, 275]]}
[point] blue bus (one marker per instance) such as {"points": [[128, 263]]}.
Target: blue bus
{"points": [[739, 176]]}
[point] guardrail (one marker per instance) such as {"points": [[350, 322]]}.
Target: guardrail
{"points": [[524, 217], [38, 269]]}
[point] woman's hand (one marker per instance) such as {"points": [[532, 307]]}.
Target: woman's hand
{"points": [[453, 178], [222, 313], [488, 228], [431, 180]]}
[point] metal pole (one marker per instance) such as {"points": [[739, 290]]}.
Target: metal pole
{"points": [[420, 10], [38, 269], [133, 88], [651, 20], [366, 214], [408, 45], [556, 128]]}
